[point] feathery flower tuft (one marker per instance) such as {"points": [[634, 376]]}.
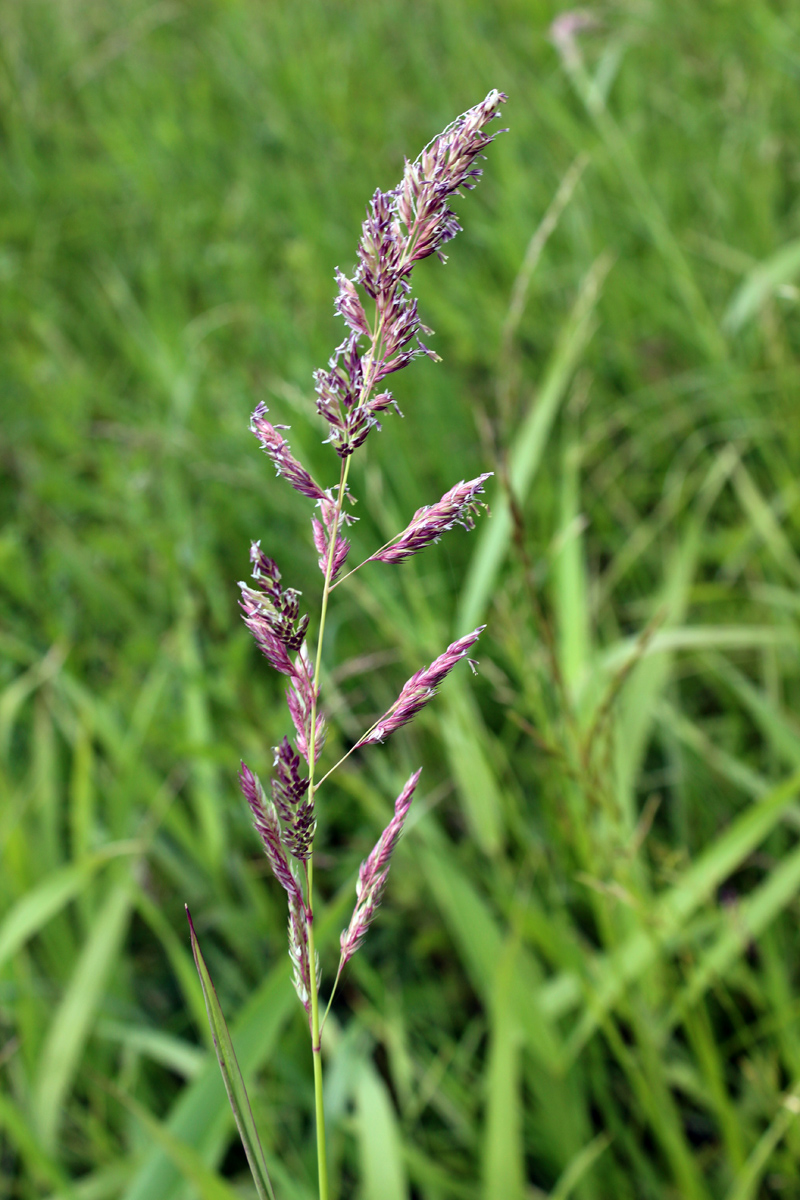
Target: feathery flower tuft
{"points": [[428, 524], [421, 688], [260, 623], [401, 228], [268, 829], [278, 609], [373, 873], [289, 789], [278, 450]]}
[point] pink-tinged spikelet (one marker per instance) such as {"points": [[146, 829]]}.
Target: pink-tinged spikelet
{"points": [[456, 507], [401, 227], [268, 829], [421, 688], [374, 872], [277, 448]]}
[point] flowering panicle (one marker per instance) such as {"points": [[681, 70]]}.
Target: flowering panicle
{"points": [[290, 794], [421, 688], [268, 829], [373, 873], [401, 228], [456, 507], [384, 334]]}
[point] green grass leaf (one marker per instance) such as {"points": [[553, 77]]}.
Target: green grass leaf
{"points": [[232, 1077], [380, 1144], [75, 1014]]}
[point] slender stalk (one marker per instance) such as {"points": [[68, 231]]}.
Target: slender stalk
{"points": [[316, 1050], [322, 1154]]}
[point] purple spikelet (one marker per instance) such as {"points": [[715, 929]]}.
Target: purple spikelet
{"points": [[456, 507], [268, 829], [421, 688], [260, 623], [271, 607], [322, 533], [401, 228], [289, 790], [374, 872], [278, 450]]}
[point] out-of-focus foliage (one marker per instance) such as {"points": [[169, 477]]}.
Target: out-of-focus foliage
{"points": [[583, 981]]}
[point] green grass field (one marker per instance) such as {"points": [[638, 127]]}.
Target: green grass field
{"points": [[585, 977]]}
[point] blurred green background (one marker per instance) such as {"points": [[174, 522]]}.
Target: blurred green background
{"points": [[583, 980]]}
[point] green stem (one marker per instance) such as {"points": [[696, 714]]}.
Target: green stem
{"points": [[316, 1050], [322, 1155]]}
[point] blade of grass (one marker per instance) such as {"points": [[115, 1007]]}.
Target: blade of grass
{"points": [[75, 1013], [670, 913], [746, 1185], [209, 1185], [761, 283], [503, 1157], [581, 1164], [232, 1076], [741, 928], [528, 448], [380, 1144], [33, 910]]}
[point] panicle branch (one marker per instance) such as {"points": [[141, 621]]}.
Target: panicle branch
{"points": [[296, 808], [277, 448], [373, 873], [456, 507], [301, 698], [299, 954], [421, 688]]}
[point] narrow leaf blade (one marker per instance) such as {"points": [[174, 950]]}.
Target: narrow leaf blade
{"points": [[232, 1076]]}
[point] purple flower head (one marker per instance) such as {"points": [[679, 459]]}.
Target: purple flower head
{"points": [[322, 543], [340, 390], [428, 524], [421, 688], [374, 872], [401, 227], [348, 305], [289, 790], [268, 829], [278, 450], [278, 610], [445, 166], [322, 537], [260, 623]]}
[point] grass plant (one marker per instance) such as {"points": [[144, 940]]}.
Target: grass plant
{"points": [[585, 984], [402, 227]]}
